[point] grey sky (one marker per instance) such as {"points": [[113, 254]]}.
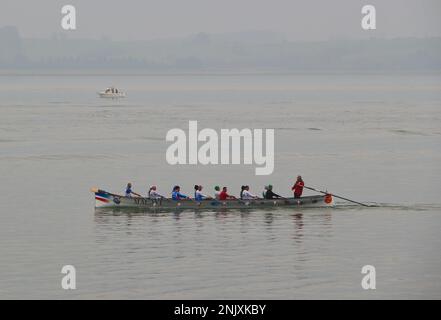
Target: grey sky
{"points": [[296, 19]]}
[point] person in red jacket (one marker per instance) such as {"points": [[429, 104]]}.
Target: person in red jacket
{"points": [[298, 187], [224, 195]]}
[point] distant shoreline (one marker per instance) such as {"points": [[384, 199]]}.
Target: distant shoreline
{"points": [[88, 72]]}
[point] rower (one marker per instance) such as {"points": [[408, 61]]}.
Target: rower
{"points": [[198, 195], [224, 195], [153, 194], [177, 195], [298, 187], [247, 195], [269, 194], [242, 189], [265, 190], [217, 192], [129, 191], [196, 188]]}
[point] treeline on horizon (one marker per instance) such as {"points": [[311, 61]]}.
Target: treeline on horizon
{"points": [[235, 52]]}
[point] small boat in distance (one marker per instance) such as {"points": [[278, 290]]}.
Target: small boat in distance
{"points": [[104, 199], [111, 92]]}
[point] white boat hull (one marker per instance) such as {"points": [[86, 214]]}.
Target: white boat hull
{"points": [[112, 95]]}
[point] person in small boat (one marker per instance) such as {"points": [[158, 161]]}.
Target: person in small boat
{"points": [[298, 187], [198, 195], [153, 194], [177, 195], [247, 195], [269, 194], [217, 192], [129, 191], [224, 195]]}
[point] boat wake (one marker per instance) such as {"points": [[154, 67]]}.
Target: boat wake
{"points": [[391, 206]]}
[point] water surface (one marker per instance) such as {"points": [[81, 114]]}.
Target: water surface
{"points": [[371, 138]]}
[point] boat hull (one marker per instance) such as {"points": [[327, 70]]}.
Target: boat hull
{"points": [[105, 199], [111, 95]]}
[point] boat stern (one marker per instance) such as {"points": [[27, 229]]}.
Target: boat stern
{"points": [[328, 200]]}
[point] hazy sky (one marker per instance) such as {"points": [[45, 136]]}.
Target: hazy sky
{"points": [[296, 19]]}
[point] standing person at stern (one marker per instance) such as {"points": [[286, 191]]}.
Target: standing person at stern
{"points": [[298, 187]]}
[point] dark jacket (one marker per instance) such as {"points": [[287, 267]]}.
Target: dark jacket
{"points": [[269, 194]]}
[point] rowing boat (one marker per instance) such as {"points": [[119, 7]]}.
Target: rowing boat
{"points": [[104, 199]]}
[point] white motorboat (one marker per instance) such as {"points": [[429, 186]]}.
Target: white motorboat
{"points": [[111, 92]]}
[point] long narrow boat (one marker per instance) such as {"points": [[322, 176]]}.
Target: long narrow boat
{"points": [[104, 199]]}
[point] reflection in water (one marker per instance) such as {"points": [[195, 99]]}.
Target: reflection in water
{"points": [[269, 218], [216, 245], [298, 226], [269, 222]]}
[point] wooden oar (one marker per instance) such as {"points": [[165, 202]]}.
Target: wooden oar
{"points": [[361, 204]]}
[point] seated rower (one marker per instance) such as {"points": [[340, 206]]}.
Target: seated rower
{"points": [[265, 190], [198, 195], [129, 191], [269, 194], [217, 192], [242, 189], [177, 195], [224, 195], [153, 194], [298, 187], [247, 195]]}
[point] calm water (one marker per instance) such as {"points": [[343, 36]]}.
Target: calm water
{"points": [[372, 138]]}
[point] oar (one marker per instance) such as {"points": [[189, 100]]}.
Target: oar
{"points": [[361, 204], [137, 194]]}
